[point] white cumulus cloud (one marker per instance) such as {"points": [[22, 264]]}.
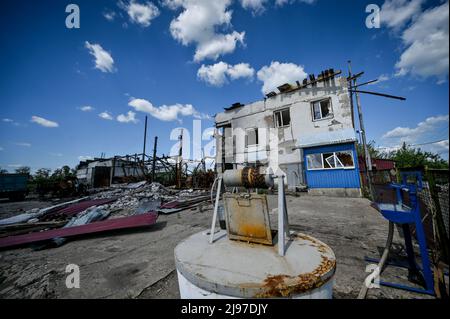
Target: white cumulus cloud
{"points": [[86, 108], [429, 135], [255, 6], [24, 144], [103, 59], [396, 13], [427, 42], [109, 15], [424, 35], [165, 112], [200, 22], [218, 74], [283, 2], [43, 122], [422, 128], [106, 116], [130, 117], [140, 13], [277, 74]]}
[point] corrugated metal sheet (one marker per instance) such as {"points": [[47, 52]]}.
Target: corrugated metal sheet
{"points": [[377, 163], [333, 178], [134, 221], [77, 208]]}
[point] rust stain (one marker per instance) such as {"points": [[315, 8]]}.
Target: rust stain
{"points": [[285, 285], [251, 178], [315, 243], [252, 230]]}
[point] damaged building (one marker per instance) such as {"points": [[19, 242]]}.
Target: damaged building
{"points": [[308, 128], [102, 172]]}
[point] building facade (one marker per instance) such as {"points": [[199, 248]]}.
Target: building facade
{"points": [[103, 172], [306, 131]]}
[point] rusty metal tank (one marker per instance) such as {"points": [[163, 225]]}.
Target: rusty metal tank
{"points": [[236, 269]]}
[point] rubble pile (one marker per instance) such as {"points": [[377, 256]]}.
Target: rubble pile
{"points": [[120, 206], [132, 196]]}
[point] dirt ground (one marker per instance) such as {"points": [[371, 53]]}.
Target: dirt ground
{"points": [[140, 263]]}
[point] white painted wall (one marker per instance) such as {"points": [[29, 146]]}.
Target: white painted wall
{"points": [[260, 114]]}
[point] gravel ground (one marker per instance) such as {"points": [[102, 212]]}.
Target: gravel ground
{"points": [[140, 263]]}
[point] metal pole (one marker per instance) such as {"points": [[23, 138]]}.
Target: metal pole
{"points": [[281, 215], [155, 145], [180, 163], [363, 136], [145, 140], [216, 208], [349, 85]]}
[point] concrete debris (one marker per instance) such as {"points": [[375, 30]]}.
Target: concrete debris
{"points": [[116, 202], [131, 197]]}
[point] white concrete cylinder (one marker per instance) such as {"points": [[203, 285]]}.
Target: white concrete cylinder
{"points": [[233, 269]]}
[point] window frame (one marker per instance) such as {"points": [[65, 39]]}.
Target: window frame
{"points": [[336, 159], [280, 111], [330, 115], [246, 137]]}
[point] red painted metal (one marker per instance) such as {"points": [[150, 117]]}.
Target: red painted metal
{"points": [[146, 219], [172, 204], [77, 208], [378, 164]]}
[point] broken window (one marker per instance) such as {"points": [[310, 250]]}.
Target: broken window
{"points": [[345, 158], [331, 160], [328, 160], [251, 137], [282, 118], [321, 109]]}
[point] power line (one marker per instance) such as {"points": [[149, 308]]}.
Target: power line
{"points": [[427, 143]]}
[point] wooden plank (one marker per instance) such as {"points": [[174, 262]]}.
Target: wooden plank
{"points": [[141, 220]]}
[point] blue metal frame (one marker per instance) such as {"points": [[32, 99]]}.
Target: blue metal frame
{"points": [[404, 215]]}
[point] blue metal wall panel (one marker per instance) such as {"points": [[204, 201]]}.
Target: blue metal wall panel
{"points": [[332, 178]]}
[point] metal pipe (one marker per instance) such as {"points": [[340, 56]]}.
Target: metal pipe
{"points": [[155, 145], [380, 94], [281, 212], [145, 139], [216, 208], [381, 264], [248, 177]]}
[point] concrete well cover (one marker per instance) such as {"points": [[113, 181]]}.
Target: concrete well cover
{"points": [[246, 270]]}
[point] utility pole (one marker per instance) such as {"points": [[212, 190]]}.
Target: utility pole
{"points": [[180, 159], [154, 158], [362, 131], [145, 140]]}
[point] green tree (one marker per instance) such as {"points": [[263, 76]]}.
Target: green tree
{"points": [[23, 170], [408, 156], [373, 151], [42, 173], [3, 171]]}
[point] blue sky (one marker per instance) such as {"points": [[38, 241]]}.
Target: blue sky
{"points": [[180, 60]]}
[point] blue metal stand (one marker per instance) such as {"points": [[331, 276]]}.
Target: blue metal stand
{"points": [[404, 216]]}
